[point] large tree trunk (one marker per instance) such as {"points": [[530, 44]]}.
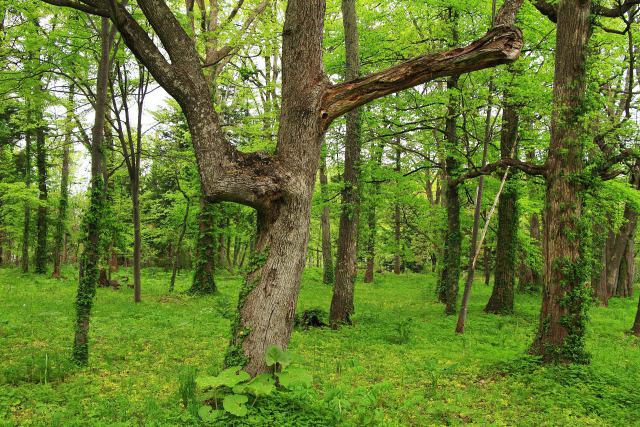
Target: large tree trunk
{"points": [[560, 336], [89, 263], [347, 259], [203, 281], [61, 221], [26, 230], [41, 241], [327, 257], [501, 300]]}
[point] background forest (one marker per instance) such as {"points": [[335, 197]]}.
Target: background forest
{"points": [[471, 252]]}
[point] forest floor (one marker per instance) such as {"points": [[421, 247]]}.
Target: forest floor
{"points": [[400, 364]]}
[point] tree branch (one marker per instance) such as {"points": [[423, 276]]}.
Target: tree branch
{"points": [[501, 45], [488, 169]]}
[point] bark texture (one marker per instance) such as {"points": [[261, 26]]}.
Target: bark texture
{"points": [[26, 230], [61, 221], [448, 288], [347, 261], [501, 300], [89, 262], [327, 255], [41, 255], [560, 336], [203, 280]]}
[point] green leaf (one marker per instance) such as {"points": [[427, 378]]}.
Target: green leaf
{"points": [[229, 378], [295, 378], [235, 404], [206, 413], [262, 385], [275, 355]]}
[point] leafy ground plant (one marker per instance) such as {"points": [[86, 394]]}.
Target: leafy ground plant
{"points": [[231, 390]]}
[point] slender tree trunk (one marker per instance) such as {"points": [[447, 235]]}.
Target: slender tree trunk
{"points": [[560, 336], [372, 219], [89, 263], [203, 281], [41, 163], [397, 231], [501, 300], [26, 231], [183, 231], [137, 239], [473, 247], [327, 257], [61, 222], [347, 259], [486, 262], [530, 278]]}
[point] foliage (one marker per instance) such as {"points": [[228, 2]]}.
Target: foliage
{"points": [[233, 386]]}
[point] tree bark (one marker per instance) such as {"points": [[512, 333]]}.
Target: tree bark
{"points": [[372, 220], [203, 280], [61, 221], [26, 231], [531, 279], [137, 238], [327, 257], [501, 300], [183, 231], [41, 256], [560, 336], [397, 230], [448, 288], [473, 247], [89, 263], [347, 260]]}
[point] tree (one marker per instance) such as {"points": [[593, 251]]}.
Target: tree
{"points": [[279, 186], [63, 203], [346, 269], [566, 294], [89, 262]]}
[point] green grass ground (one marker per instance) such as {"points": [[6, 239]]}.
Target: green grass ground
{"points": [[400, 364]]}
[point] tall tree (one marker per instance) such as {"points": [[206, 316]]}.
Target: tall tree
{"points": [[41, 255], [203, 280], [90, 259], [325, 222], [560, 335], [347, 260], [501, 300], [26, 230], [129, 133], [63, 203], [279, 186]]}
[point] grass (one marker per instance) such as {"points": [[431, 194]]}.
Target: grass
{"points": [[400, 364]]}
